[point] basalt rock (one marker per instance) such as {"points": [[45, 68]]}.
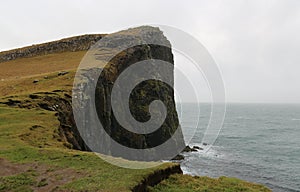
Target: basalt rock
{"points": [[141, 96], [156, 177]]}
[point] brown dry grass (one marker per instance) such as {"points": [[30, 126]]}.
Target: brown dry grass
{"points": [[17, 76], [28, 67]]}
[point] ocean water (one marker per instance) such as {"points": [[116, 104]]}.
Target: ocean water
{"points": [[258, 143]]}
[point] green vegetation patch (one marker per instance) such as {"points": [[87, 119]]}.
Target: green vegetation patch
{"points": [[186, 183], [20, 182], [27, 136]]}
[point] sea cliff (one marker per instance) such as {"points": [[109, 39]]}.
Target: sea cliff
{"points": [[41, 148]]}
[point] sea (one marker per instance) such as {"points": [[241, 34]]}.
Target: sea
{"points": [[258, 143]]}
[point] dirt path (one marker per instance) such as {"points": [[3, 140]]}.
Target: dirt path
{"points": [[47, 178]]}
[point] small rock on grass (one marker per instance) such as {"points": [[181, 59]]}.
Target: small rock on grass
{"points": [[61, 73]]}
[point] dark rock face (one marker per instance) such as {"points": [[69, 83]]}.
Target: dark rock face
{"points": [[141, 96], [140, 99], [197, 148], [156, 177]]}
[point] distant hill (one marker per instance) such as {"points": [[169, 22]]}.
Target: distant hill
{"points": [[77, 43]]}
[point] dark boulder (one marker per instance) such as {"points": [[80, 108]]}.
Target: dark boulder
{"points": [[197, 148]]}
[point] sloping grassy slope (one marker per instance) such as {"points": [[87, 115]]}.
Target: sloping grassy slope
{"points": [[33, 156], [89, 171], [16, 76], [28, 137]]}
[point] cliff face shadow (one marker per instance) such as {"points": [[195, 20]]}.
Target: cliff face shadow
{"points": [[140, 97]]}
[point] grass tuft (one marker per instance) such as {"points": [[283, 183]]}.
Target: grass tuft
{"points": [[186, 183]]}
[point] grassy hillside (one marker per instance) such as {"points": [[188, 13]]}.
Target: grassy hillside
{"points": [[32, 153], [16, 76], [28, 142], [34, 157]]}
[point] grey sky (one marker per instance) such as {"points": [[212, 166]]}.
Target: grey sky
{"points": [[256, 43]]}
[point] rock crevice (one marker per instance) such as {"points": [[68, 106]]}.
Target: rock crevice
{"points": [[156, 177]]}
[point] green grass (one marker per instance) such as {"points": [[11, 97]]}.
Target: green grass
{"points": [[20, 127], [29, 136], [94, 172], [20, 182], [186, 183]]}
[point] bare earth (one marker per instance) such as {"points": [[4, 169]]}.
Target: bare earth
{"points": [[54, 177]]}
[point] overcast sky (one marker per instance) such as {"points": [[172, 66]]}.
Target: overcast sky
{"points": [[256, 43]]}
